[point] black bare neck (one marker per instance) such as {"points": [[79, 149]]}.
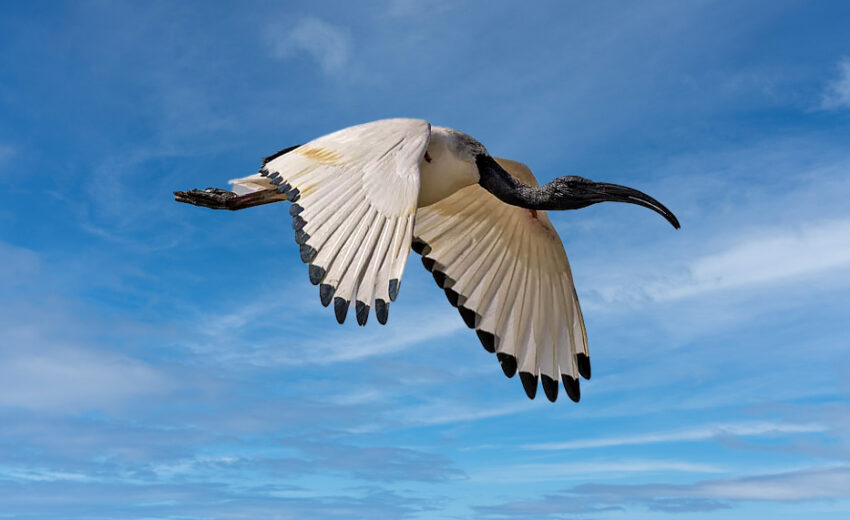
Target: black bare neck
{"points": [[496, 180]]}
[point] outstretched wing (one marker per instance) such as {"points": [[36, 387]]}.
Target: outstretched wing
{"points": [[505, 269], [353, 195]]}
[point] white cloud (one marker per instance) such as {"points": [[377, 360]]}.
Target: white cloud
{"points": [[328, 44], [820, 483], [690, 435], [837, 93], [19, 264], [442, 411], [235, 336], [40, 475], [768, 257], [190, 465], [419, 8], [807, 484], [583, 470], [814, 484], [760, 259], [404, 335], [66, 379], [738, 236], [352, 398]]}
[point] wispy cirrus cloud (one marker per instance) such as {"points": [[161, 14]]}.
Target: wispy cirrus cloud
{"points": [[329, 45], [242, 398], [439, 411], [417, 8], [234, 334], [67, 379], [328, 457], [836, 96], [53, 356], [19, 264], [791, 229], [701, 433], [33, 474], [762, 258], [572, 471], [771, 256], [819, 483], [190, 500]]}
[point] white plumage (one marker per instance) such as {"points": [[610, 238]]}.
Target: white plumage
{"points": [[362, 196], [358, 205], [505, 268]]}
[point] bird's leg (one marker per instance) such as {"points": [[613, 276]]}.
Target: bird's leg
{"points": [[216, 198]]}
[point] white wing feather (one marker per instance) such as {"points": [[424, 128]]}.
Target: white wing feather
{"points": [[354, 196], [506, 270]]}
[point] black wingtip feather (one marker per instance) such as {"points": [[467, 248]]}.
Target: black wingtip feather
{"points": [[317, 274], [428, 263], [420, 247], [583, 362], [298, 222], [550, 387], [294, 195], [488, 340], [508, 363], [301, 237], [295, 209], [452, 296], [326, 294], [361, 310], [440, 277], [308, 253], [572, 387], [393, 289], [382, 311], [340, 309], [529, 384], [469, 316]]}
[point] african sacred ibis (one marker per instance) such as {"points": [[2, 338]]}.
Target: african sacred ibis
{"points": [[363, 196]]}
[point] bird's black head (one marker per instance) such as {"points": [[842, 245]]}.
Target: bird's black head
{"points": [[574, 192], [570, 192]]}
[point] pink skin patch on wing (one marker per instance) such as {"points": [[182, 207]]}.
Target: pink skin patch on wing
{"points": [[546, 229]]}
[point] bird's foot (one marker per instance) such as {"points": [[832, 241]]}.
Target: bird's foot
{"points": [[215, 198]]}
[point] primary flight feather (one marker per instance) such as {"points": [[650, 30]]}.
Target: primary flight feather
{"points": [[363, 196]]}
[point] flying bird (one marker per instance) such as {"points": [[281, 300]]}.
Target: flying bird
{"points": [[363, 196]]}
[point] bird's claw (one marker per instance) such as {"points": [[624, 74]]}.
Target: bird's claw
{"points": [[215, 198]]}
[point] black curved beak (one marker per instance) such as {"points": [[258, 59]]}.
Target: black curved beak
{"points": [[604, 191]]}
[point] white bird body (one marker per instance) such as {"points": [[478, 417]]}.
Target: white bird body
{"points": [[363, 196], [447, 166]]}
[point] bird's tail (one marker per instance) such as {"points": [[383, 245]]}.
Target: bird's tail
{"points": [[251, 184]]}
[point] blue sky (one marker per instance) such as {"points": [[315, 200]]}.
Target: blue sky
{"points": [[159, 361]]}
